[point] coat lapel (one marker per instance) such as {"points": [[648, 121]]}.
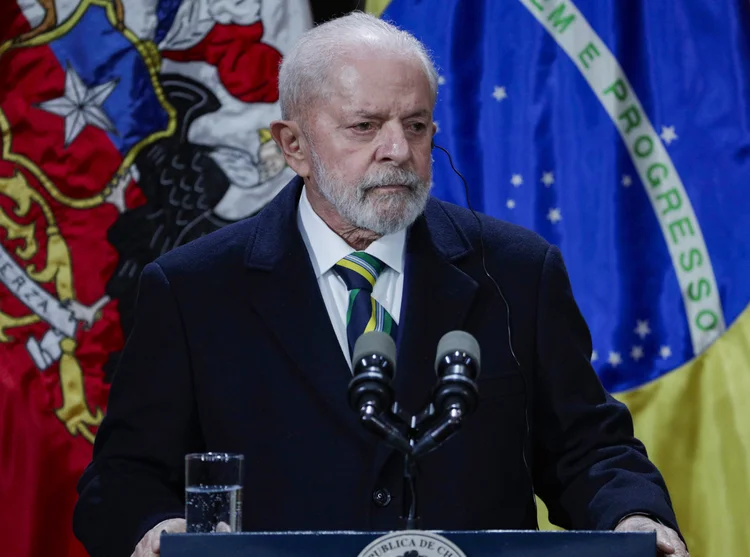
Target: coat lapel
{"points": [[284, 291], [437, 296]]}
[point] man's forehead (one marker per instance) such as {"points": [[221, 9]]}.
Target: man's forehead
{"points": [[351, 71], [362, 85]]}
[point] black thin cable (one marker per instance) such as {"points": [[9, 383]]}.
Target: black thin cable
{"points": [[507, 313]]}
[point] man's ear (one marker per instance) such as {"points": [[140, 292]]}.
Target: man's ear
{"points": [[289, 137]]}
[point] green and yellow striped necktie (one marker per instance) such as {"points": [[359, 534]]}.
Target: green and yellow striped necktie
{"points": [[360, 271]]}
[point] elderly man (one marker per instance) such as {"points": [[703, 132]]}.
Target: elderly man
{"points": [[243, 339]]}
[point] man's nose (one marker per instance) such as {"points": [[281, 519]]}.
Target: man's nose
{"points": [[393, 146]]}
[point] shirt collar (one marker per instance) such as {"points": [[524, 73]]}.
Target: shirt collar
{"points": [[327, 248]]}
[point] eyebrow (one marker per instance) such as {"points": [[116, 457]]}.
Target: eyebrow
{"points": [[379, 115], [419, 113]]}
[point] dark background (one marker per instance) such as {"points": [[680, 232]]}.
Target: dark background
{"points": [[324, 10]]}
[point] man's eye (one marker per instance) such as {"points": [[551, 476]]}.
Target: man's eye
{"points": [[363, 126], [418, 127]]}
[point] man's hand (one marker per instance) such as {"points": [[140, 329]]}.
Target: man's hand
{"points": [[667, 540], [150, 544]]}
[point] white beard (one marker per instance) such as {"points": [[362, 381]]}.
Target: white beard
{"points": [[382, 213]]}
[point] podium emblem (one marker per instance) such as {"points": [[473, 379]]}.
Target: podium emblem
{"points": [[412, 543]]}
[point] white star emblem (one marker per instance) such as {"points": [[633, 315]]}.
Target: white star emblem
{"points": [[516, 180], [510, 204], [642, 329], [668, 134], [500, 94], [594, 355], [437, 126], [441, 80], [665, 352], [627, 181], [554, 215], [81, 106], [614, 359], [636, 353], [548, 178]]}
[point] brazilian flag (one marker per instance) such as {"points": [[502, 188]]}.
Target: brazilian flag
{"points": [[620, 131]]}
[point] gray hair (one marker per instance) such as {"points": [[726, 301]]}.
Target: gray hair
{"points": [[303, 74]]}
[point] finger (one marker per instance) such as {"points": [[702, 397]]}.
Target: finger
{"points": [[156, 541], [143, 549], [664, 542], [678, 544], [175, 526]]}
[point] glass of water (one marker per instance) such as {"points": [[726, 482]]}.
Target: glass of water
{"points": [[213, 492]]}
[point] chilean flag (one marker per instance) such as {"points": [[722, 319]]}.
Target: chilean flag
{"points": [[77, 102]]}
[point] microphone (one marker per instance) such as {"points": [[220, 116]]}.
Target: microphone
{"points": [[456, 394], [457, 365], [370, 391]]}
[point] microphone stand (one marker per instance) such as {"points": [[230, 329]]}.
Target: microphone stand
{"points": [[383, 426], [410, 516], [426, 432]]}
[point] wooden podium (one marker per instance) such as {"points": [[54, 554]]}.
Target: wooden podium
{"points": [[410, 543]]}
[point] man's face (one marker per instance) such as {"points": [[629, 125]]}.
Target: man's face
{"points": [[371, 141]]}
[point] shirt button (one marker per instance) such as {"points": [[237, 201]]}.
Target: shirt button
{"points": [[381, 497]]}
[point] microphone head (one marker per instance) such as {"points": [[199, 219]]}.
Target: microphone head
{"points": [[375, 342], [457, 368], [373, 369], [461, 342]]}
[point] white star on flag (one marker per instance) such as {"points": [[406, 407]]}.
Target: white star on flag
{"points": [[614, 359], [627, 181], [668, 134], [554, 215], [81, 106], [594, 355], [441, 80], [642, 329], [510, 204], [548, 178], [636, 353], [500, 93], [665, 352], [516, 180]]}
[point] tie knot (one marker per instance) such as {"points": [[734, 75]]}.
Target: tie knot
{"points": [[359, 270]]}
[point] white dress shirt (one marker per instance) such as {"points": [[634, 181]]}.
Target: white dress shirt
{"points": [[326, 248]]}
